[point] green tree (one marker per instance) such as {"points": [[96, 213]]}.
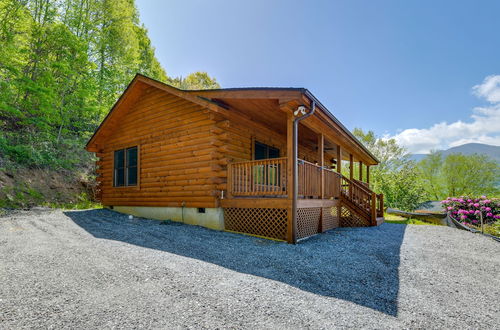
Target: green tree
{"points": [[431, 175], [459, 174], [396, 176], [63, 64], [471, 175], [196, 80]]}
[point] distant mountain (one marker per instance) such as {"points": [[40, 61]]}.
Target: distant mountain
{"points": [[467, 149]]}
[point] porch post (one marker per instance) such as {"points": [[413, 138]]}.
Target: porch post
{"points": [[360, 171], [339, 170], [351, 167], [339, 159], [289, 176], [373, 209], [367, 173], [321, 160]]}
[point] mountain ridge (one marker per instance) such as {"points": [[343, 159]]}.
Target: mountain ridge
{"points": [[467, 149]]}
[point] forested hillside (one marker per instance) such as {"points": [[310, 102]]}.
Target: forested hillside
{"points": [[63, 64]]}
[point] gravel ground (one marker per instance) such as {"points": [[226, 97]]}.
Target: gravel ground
{"points": [[99, 269]]}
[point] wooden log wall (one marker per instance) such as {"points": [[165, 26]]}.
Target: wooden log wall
{"points": [[178, 153], [183, 149]]}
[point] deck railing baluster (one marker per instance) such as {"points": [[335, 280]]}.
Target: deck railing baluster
{"points": [[268, 177]]}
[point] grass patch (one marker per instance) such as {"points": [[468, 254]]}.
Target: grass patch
{"points": [[82, 203], [490, 229], [493, 229], [391, 218]]}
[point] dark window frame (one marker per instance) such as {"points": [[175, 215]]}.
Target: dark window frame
{"points": [[125, 167], [268, 150], [266, 174]]}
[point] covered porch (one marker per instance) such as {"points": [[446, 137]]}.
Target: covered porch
{"points": [[313, 176], [327, 199]]}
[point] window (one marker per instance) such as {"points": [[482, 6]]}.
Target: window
{"points": [[268, 174], [125, 167], [264, 151]]}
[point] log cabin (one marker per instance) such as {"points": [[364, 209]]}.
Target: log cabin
{"points": [[260, 161]]}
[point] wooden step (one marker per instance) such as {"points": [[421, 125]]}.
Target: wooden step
{"points": [[355, 207]]}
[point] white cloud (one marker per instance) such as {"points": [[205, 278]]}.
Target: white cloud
{"points": [[484, 126], [489, 89]]}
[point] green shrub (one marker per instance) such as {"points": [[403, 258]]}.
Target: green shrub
{"points": [[83, 202]]}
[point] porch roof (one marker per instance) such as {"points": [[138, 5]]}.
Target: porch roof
{"points": [[265, 105]]}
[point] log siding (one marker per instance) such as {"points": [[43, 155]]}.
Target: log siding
{"points": [[177, 152]]}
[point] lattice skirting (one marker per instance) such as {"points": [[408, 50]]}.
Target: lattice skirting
{"points": [[270, 223], [351, 219], [308, 221], [330, 218]]}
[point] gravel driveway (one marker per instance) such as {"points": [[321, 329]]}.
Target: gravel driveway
{"points": [[99, 269]]}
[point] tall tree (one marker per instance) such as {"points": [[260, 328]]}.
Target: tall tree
{"points": [[396, 176], [195, 80], [470, 175], [430, 171], [63, 63], [459, 174]]}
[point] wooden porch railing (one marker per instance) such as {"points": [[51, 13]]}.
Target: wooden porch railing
{"points": [[309, 176], [258, 177], [357, 193], [332, 183], [380, 205], [364, 184], [267, 177]]}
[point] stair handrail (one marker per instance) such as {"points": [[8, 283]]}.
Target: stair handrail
{"points": [[372, 210], [362, 186]]}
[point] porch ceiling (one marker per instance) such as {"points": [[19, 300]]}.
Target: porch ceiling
{"points": [[266, 112], [266, 106], [263, 111]]}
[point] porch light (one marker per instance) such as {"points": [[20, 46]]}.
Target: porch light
{"points": [[301, 109]]}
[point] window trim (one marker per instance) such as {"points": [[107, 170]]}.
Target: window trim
{"points": [[125, 186]]}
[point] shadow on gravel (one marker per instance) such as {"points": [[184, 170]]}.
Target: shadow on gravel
{"points": [[354, 264]]}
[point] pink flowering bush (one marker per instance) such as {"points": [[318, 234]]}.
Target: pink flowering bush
{"points": [[467, 209]]}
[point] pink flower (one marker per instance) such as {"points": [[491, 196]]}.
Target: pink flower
{"points": [[483, 197], [469, 200], [487, 209], [496, 216], [474, 221], [477, 212], [489, 214], [476, 204], [449, 208], [486, 201], [463, 217], [471, 211]]}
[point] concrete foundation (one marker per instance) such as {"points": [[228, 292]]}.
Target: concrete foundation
{"points": [[213, 218]]}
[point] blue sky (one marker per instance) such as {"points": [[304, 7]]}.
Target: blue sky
{"points": [[424, 72]]}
